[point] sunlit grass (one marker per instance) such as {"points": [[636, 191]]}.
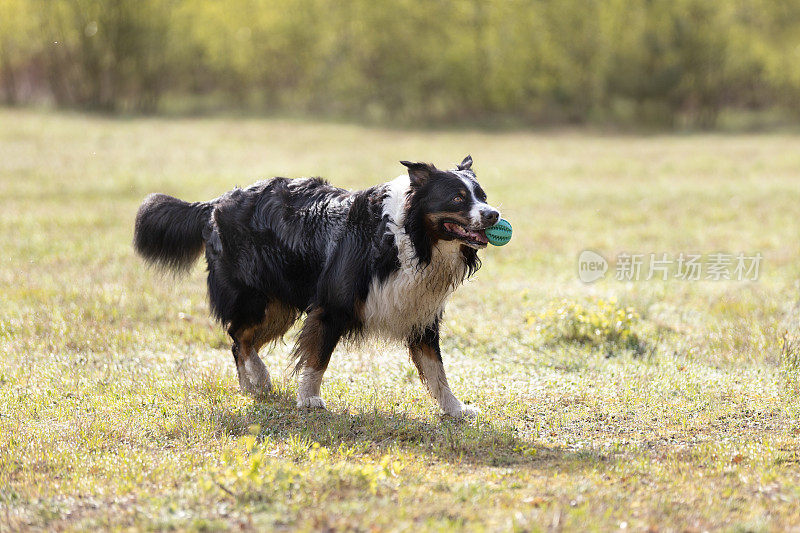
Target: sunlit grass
{"points": [[118, 398]]}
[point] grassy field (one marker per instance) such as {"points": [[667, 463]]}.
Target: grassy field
{"points": [[640, 405]]}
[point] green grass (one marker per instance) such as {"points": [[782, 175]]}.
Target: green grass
{"points": [[118, 398]]}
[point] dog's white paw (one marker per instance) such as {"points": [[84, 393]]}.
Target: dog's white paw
{"points": [[470, 411], [254, 379], [256, 390], [464, 411], [312, 402]]}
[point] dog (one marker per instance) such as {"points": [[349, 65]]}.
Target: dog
{"points": [[376, 262]]}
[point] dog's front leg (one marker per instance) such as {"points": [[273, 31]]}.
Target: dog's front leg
{"points": [[427, 358], [317, 340]]}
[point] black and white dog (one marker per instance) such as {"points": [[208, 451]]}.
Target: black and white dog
{"points": [[380, 261]]}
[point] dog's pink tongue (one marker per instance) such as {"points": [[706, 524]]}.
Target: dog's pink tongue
{"points": [[480, 236]]}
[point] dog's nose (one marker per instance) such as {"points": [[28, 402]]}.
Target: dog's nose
{"points": [[490, 216]]}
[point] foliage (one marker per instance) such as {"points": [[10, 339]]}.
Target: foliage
{"points": [[599, 323], [260, 470], [668, 62], [790, 359]]}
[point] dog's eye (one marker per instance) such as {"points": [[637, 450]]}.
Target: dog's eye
{"points": [[458, 199]]}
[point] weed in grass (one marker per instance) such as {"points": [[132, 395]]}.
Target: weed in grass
{"points": [[790, 360], [597, 323]]}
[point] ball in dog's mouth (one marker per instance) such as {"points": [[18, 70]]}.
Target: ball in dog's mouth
{"points": [[471, 237]]}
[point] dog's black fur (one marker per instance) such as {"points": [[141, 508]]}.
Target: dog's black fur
{"points": [[282, 247]]}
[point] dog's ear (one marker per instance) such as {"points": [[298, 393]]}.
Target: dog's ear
{"points": [[466, 164], [419, 173]]}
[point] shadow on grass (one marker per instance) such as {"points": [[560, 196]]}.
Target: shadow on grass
{"points": [[478, 442]]}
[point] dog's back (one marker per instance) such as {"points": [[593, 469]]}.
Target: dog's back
{"points": [[268, 241], [274, 239]]}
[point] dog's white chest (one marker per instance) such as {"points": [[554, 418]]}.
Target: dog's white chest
{"points": [[411, 298]]}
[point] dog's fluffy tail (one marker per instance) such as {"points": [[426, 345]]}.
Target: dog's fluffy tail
{"points": [[169, 232]]}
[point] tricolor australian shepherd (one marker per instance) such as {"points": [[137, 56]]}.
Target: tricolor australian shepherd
{"points": [[380, 261]]}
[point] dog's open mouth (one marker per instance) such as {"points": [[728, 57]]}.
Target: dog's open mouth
{"points": [[471, 237]]}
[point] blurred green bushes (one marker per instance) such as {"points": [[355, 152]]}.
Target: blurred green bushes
{"points": [[663, 62]]}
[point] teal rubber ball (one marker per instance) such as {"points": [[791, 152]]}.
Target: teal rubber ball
{"points": [[500, 233]]}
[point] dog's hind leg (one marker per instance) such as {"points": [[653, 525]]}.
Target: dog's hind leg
{"points": [[247, 341], [253, 375], [334, 312], [317, 340], [427, 357]]}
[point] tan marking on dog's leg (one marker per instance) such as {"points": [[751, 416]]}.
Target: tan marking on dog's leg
{"points": [[253, 375], [431, 372], [278, 318]]}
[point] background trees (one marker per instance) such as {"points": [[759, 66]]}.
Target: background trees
{"points": [[663, 62]]}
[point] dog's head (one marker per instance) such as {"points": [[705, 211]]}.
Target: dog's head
{"points": [[450, 204]]}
